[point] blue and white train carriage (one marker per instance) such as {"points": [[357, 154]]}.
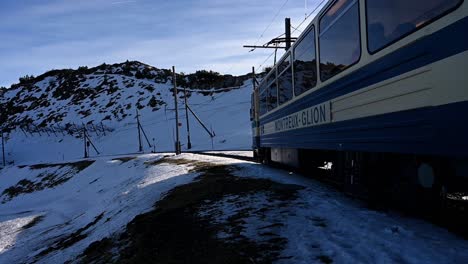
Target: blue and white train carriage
{"points": [[378, 88]]}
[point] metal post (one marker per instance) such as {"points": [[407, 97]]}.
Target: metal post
{"points": [[3, 149], [288, 33], [146, 137], [91, 143], [85, 143], [140, 146], [189, 144], [88, 142], [212, 138], [211, 133], [177, 143]]}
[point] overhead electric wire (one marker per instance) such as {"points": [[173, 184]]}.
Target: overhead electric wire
{"points": [[296, 29], [307, 17], [151, 122], [261, 65], [271, 23]]}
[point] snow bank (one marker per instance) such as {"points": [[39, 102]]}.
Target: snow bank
{"points": [[56, 224]]}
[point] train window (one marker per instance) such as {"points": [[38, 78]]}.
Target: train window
{"points": [[285, 90], [284, 64], [339, 38], [262, 97], [272, 101], [305, 67], [390, 21], [333, 14], [263, 102], [271, 77]]}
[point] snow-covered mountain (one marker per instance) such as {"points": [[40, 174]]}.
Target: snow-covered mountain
{"points": [[45, 115]]}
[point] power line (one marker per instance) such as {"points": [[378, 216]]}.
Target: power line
{"points": [[271, 23], [307, 17], [296, 29], [261, 65]]}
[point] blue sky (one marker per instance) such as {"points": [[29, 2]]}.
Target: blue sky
{"points": [[39, 35]]}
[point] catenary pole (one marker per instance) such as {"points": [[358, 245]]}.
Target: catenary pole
{"points": [[3, 149], [211, 133], [146, 137], [189, 143], [177, 143], [287, 25], [85, 143], [88, 142], [140, 146]]}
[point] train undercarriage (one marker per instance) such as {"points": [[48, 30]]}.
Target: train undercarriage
{"points": [[430, 186]]}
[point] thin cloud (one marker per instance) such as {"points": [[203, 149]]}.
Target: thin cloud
{"points": [[193, 35], [123, 2]]}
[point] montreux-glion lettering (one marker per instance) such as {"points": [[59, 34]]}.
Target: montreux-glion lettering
{"points": [[308, 117]]}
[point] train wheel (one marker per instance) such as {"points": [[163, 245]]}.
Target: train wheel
{"points": [[265, 156], [432, 176], [413, 185], [256, 156], [440, 191]]}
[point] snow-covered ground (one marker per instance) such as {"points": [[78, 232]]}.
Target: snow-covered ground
{"points": [[110, 191], [100, 200]]}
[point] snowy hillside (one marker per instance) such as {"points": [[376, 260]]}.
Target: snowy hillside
{"points": [[46, 114]]}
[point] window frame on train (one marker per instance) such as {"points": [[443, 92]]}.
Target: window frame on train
{"points": [[417, 28], [269, 84], [298, 43], [282, 73], [262, 109], [329, 27]]}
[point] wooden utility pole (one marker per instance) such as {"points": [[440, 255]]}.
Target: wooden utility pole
{"points": [[3, 149], [140, 146], [88, 142], [85, 144], [141, 130], [189, 144], [211, 133], [177, 143]]}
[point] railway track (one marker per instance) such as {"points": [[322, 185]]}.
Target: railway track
{"points": [[223, 155]]}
